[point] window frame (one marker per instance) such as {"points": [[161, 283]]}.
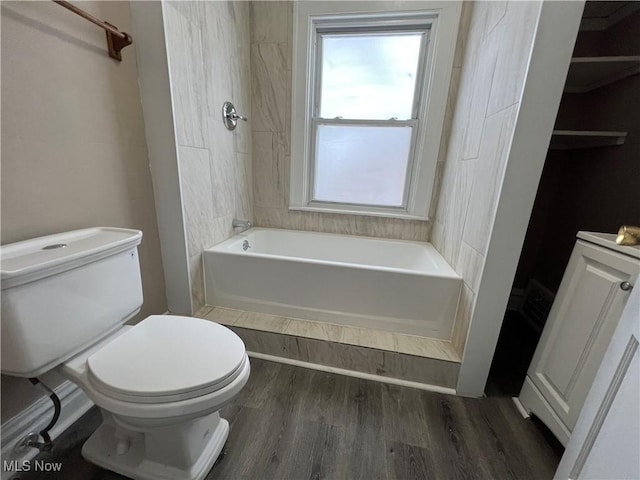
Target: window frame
{"points": [[312, 19], [368, 26]]}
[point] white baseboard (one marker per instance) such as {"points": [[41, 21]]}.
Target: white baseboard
{"points": [[34, 418], [533, 401], [520, 407]]}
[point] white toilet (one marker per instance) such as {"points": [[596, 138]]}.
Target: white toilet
{"points": [[159, 384]]}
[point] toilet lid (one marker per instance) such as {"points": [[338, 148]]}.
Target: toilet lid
{"points": [[167, 358]]}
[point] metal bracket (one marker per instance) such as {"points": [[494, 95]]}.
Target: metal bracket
{"points": [[116, 40], [116, 43]]}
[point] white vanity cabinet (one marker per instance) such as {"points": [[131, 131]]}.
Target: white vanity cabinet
{"points": [[585, 313]]}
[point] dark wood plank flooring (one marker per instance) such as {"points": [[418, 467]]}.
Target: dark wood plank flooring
{"points": [[295, 423]]}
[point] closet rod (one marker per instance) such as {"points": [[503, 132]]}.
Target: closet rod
{"points": [[116, 40]]}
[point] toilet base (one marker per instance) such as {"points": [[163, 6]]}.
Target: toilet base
{"points": [[181, 452]]}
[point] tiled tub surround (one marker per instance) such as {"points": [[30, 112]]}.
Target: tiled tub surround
{"points": [[208, 50], [393, 285], [271, 62], [427, 362], [493, 62]]}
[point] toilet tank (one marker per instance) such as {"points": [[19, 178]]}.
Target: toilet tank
{"points": [[63, 292]]}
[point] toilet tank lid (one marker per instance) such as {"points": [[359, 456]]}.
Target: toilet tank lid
{"points": [[30, 260]]}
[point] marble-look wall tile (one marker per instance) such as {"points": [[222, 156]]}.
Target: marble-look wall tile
{"points": [[456, 75], [437, 186], [188, 78], [465, 22], [516, 33], [195, 175], [351, 357], [268, 217], [197, 281], [224, 316], [241, 98], [363, 337], [222, 229], [452, 99], [424, 347], [240, 72], [209, 58], [244, 187], [268, 174], [463, 318], [282, 156], [454, 200], [261, 321], [469, 265], [420, 369], [269, 22], [342, 224], [437, 235], [271, 77], [367, 338], [494, 62], [203, 312], [497, 10], [271, 54], [482, 80], [223, 180], [190, 10], [469, 64], [487, 180], [269, 343], [218, 49], [317, 330]]}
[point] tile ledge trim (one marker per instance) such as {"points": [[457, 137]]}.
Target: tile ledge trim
{"points": [[453, 357]]}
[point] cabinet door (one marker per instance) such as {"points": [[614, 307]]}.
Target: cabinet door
{"points": [[580, 325], [605, 441]]}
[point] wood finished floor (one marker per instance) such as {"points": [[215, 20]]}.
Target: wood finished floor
{"points": [[295, 423]]}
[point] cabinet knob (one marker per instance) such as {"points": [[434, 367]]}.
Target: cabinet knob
{"points": [[626, 286]]}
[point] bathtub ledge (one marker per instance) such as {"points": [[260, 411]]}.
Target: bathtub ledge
{"points": [[361, 337]]}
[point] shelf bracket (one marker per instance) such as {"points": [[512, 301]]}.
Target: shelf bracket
{"points": [[116, 40]]}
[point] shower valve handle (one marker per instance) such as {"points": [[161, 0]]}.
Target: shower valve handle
{"points": [[230, 117]]}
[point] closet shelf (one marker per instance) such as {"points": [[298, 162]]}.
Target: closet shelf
{"points": [[577, 139], [589, 73]]}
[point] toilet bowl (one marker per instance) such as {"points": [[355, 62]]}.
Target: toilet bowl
{"points": [[159, 384]]}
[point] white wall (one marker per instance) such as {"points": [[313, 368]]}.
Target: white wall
{"points": [[74, 153]]}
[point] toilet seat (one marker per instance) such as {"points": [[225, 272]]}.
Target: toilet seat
{"points": [[165, 359]]}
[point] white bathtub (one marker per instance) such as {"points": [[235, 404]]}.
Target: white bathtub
{"points": [[400, 286]]}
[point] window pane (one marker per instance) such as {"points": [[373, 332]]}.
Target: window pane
{"points": [[361, 165], [369, 76]]}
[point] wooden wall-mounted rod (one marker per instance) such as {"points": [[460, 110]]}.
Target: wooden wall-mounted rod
{"points": [[116, 40]]}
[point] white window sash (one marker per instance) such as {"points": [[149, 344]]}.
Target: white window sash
{"points": [[422, 29], [412, 124], [368, 27]]}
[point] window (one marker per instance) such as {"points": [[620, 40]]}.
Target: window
{"points": [[368, 106]]}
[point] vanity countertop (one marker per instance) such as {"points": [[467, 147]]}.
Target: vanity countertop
{"points": [[608, 240]]}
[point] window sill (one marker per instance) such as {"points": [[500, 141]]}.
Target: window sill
{"points": [[355, 210]]}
